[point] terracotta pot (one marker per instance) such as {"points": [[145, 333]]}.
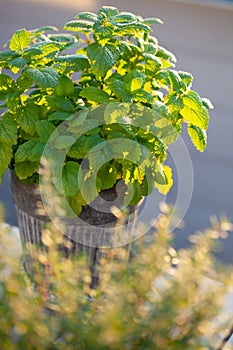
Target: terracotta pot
{"points": [[91, 233]]}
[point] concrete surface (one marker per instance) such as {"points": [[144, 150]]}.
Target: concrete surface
{"points": [[201, 38]]}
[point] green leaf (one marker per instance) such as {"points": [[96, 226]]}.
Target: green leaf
{"points": [[18, 62], [29, 118], [133, 194], [192, 100], [207, 103], [150, 21], [89, 16], [8, 130], [114, 111], [198, 137], [73, 62], [108, 176], [44, 129], [49, 47], [87, 186], [31, 150], [197, 118], [165, 54], [26, 169], [24, 151], [77, 119], [59, 102], [59, 116], [94, 94], [102, 58], [75, 203], [65, 86], [134, 80], [20, 40], [6, 83], [124, 18], [118, 88], [5, 156], [175, 80], [79, 26], [37, 151], [187, 78], [163, 180], [45, 29], [70, 178], [108, 11], [44, 77], [64, 141]]}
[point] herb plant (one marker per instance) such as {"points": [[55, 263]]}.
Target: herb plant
{"points": [[119, 85]]}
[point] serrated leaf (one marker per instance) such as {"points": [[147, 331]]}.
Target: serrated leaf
{"points": [[5, 156], [108, 11], [197, 118], [24, 151], [207, 103], [132, 28], [65, 86], [73, 62], [198, 137], [7, 55], [29, 118], [79, 25], [37, 151], [175, 80], [18, 62], [49, 48], [45, 29], [26, 169], [89, 16], [31, 150], [150, 21], [44, 129], [8, 130], [192, 100], [102, 58], [70, 178], [165, 54], [44, 77], [187, 78], [94, 94], [59, 116], [59, 102], [20, 40], [163, 180], [134, 80], [124, 18], [118, 88]]}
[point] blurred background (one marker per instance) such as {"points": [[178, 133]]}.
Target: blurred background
{"points": [[200, 34]]}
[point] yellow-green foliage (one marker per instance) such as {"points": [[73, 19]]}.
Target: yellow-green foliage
{"points": [[159, 300]]}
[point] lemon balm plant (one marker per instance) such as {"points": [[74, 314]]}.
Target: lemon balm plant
{"points": [[124, 74], [103, 115]]}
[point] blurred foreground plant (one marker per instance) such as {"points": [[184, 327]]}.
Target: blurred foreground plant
{"points": [[161, 299]]}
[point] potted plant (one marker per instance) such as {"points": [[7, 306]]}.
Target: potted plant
{"points": [[103, 116]]}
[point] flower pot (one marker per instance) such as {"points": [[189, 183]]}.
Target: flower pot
{"points": [[91, 233]]}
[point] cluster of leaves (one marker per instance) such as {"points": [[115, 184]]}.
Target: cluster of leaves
{"points": [[123, 69], [144, 305]]}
